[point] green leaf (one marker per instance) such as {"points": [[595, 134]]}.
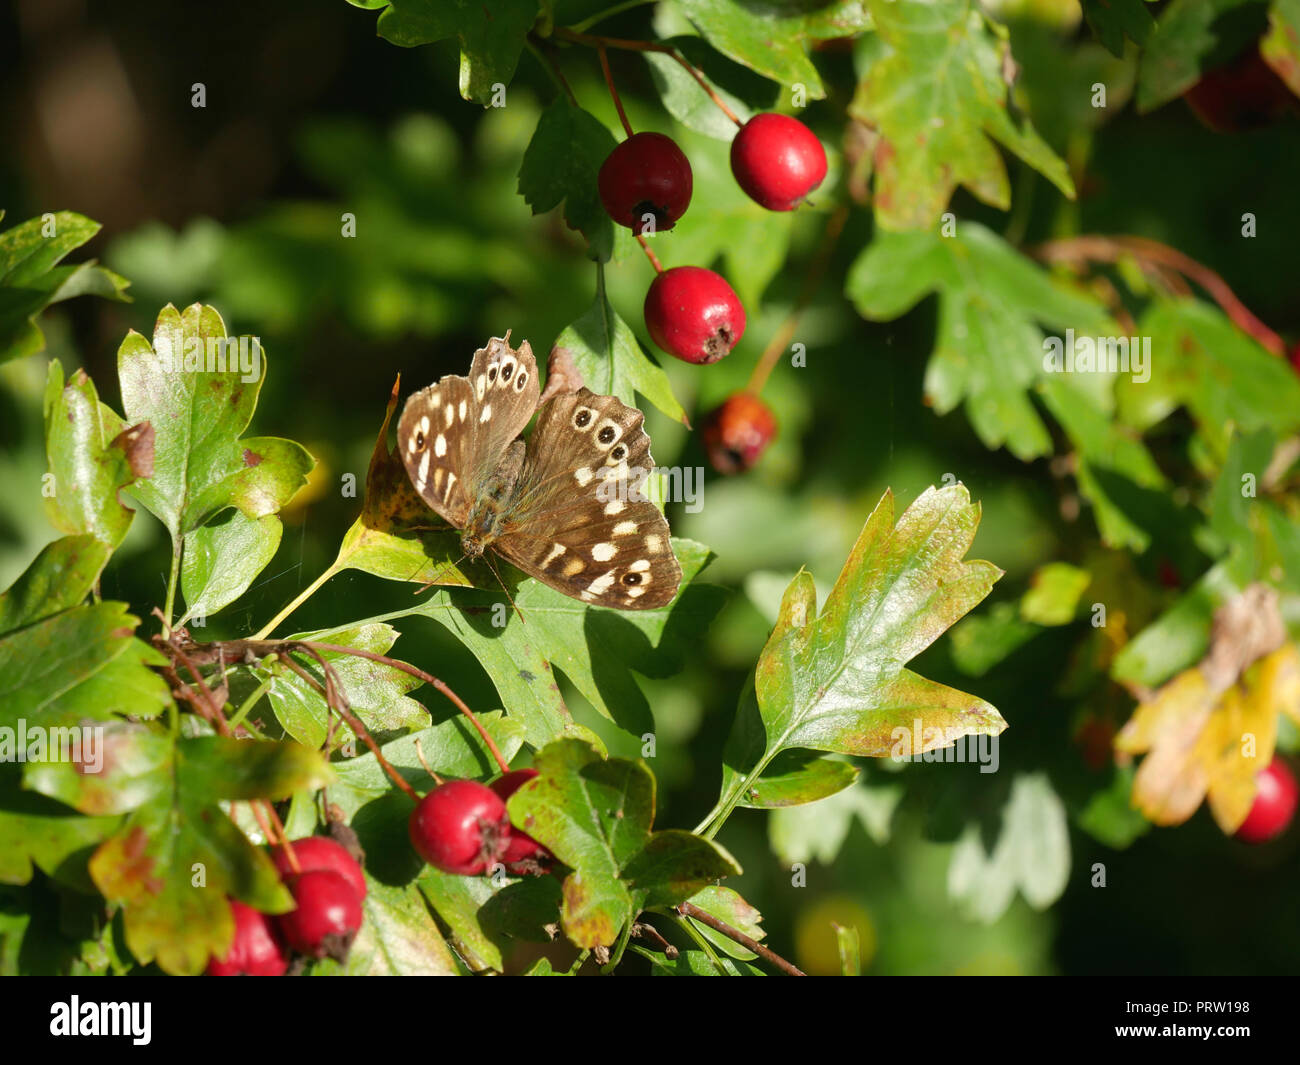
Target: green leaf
{"points": [[697, 963], [938, 68], [596, 648], [795, 777], [178, 856], [1054, 594], [683, 98], [1280, 46], [850, 950], [980, 642], [1109, 816], [36, 832], [1113, 20], [398, 936], [201, 465], [1192, 36], [61, 576], [595, 816], [375, 692], [490, 40], [773, 43], [1032, 854], [560, 165], [92, 456], [989, 351], [82, 663], [487, 917], [223, 557], [452, 748], [835, 682], [607, 354], [727, 905], [31, 279]]}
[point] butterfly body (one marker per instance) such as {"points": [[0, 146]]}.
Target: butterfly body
{"points": [[566, 506]]}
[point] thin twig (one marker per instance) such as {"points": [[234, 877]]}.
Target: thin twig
{"points": [[689, 909], [645, 247], [609, 80]]}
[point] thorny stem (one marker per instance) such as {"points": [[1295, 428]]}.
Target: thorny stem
{"points": [[689, 909], [609, 80], [602, 43], [781, 339], [1158, 258]]}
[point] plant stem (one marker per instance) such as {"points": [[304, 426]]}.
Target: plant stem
{"points": [[609, 12], [301, 598], [541, 51], [1151, 253], [654, 259], [700, 941], [689, 909], [609, 80], [238, 719], [172, 580]]}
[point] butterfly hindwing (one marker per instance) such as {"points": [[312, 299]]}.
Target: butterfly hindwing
{"points": [[453, 434], [580, 522]]}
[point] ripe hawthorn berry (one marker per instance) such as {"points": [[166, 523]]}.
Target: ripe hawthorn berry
{"points": [[327, 917], [320, 852], [694, 314], [523, 854], [737, 433], [1242, 94], [645, 175], [256, 950], [778, 161], [1276, 795], [461, 827]]}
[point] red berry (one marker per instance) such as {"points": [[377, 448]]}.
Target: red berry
{"points": [[738, 432], [461, 827], [1242, 94], [255, 950], [778, 161], [645, 175], [523, 854], [320, 852], [694, 314], [1276, 795], [1294, 356], [328, 915]]}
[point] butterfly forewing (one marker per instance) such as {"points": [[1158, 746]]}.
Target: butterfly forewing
{"points": [[580, 521], [453, 434]]}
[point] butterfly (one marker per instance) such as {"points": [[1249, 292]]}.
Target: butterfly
{"points": [[567, 506]]}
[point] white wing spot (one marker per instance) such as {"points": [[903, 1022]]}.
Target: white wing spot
{"points": [[615, 506], [479, 385], [440, 446], [603, 552], [654, 543], [556, 551], [435, 400], [602, 583], [424, 468], [636, 593], [574, 565], [424, 424], [451, 479], [464, 406], [583, 476], [640, 565], [625, 528], [487, 413], [451, 415], [438, 475]]}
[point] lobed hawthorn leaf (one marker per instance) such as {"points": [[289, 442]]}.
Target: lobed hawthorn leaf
{"points": [[60, 577], [610, 359], [836, 681], [223, 557], [31, 279], [487, 918], [201, 464], [560, 164], [1113, 20], [81, 664], [690, 105], [1190, 37], [177, 857], [398, 937], [375, 692], [771, 39], [596, 816], [92, 456], [490, 38], [989, 351], [933, 90], [795, 777], [728, 905], [39, 833]]}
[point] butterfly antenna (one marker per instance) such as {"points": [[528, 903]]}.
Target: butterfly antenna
{"points": [[513, 605]]}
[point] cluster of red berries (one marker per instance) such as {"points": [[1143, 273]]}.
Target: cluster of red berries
{"points": [[463, 827], [328, 888], [690, 312]]}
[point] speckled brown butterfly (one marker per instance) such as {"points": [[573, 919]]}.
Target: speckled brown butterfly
{"points": [[565, 507]]}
